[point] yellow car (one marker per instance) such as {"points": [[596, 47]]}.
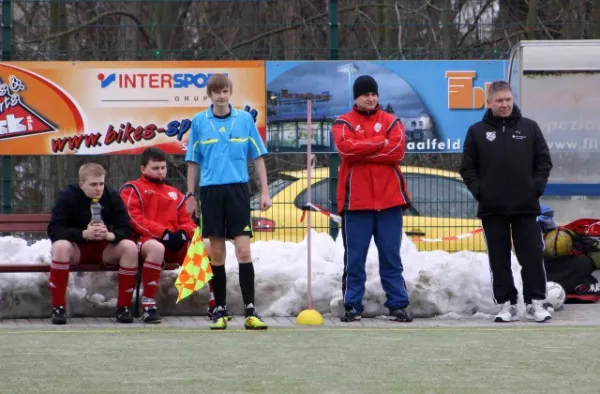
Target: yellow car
{"points": [[442, 208]]}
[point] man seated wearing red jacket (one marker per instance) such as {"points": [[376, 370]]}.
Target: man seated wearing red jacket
{"points": [[160, 222], [371, 195]]}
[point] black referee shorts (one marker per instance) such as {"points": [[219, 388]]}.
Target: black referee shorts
{"points": [[225, 210]]}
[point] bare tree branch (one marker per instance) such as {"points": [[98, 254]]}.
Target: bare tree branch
{"points": [[368, 30], [458, 9], [139, 24], [397, 9], [218, 38], [312, 36], [311, 19], [545, 29], [495, 41], [474, 24]]}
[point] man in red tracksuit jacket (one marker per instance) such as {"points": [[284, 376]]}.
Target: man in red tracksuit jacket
{"points": [[160, 222], [371, 195]]}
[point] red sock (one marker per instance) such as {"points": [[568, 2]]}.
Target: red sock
{"points": [[150, 278], [59, 278], [127, 282]]}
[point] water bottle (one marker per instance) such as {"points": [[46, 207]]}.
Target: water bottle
{"points": [[96, 209]]}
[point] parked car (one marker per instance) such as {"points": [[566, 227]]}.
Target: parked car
{"points": [[441, 207]]}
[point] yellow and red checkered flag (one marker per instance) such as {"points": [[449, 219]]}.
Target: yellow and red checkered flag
{"points": [[196, 270]]}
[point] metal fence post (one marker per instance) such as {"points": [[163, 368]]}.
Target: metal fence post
{"points": [[6, 29], [6, 56], [6, 184], [334, 159], [334, 25]]}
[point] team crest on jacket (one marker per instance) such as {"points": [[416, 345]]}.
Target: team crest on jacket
{"points": [[377, 127], [490, 135], [173, 195]]}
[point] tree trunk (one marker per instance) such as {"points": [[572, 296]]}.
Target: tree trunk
{"points": [[291, 40], [532, 22], [58, 23], [388, 29], [595, 19], [445, 16], [129, 48]]}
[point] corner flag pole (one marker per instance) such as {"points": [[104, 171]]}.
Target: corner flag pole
{"points": [[309, 316], [309, 199]]}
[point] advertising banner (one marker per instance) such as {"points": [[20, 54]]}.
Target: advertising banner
{"points": [[96, 108], [565, 105], [436, 100]]}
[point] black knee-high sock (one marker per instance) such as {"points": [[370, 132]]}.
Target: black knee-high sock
{"points": [[219, 282], [247, 285]]}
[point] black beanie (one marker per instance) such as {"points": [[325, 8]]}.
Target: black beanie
{"points": [[365, 84]]}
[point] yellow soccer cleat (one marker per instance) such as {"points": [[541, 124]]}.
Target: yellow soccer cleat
{"points": [[254, 322], [219, 323], [220, 319]]}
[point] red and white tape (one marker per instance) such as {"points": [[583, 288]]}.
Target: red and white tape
{"points": [[334, 217], [451, 238], [338, 220]]}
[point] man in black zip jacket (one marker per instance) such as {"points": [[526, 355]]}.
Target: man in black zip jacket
{"points": [[506, 164], [76, 237]]}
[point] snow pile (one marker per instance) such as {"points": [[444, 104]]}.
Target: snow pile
{"points": [[439, 283]]}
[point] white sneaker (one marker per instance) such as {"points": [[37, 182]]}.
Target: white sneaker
{"points": [[507, 314], [536, 311]]}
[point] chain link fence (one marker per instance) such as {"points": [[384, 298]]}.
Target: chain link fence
{"points": [[129, 30]]}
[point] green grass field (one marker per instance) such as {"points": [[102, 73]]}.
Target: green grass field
{"points": [[540, 359]]}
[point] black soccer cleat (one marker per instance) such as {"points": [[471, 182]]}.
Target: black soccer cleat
{"points": [[124, 315], [59, 316], [211, 313], [151, 316], [350, 315], [401, 315]]}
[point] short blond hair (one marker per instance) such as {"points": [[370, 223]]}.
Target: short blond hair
{"points": [[90, 170]]}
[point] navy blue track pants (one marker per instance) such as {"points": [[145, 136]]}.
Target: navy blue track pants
{"points": [[385, 226]]}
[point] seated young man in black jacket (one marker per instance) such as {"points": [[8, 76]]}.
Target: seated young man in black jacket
{"points": [[79, 235]]}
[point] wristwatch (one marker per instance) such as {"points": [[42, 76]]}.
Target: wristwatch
{"points": [[189, 194]]}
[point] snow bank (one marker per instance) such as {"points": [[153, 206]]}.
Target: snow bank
{"points": [[439, 283]]}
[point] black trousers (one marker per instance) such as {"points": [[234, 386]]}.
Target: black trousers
{"points": [[528, 242]]}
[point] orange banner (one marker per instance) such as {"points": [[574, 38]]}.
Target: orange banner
{"points": [[94, 108]]}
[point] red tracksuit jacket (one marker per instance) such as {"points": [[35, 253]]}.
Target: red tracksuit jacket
{"points": [[370, 177], [154, 208]]}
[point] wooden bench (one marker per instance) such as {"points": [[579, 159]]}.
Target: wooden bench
{"points": [[35, 223]]}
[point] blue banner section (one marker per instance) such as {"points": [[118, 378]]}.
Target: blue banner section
{"points": [[437, 101], [572, 189]]}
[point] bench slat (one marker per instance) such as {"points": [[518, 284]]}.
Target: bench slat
{"points": [[16, 268], [18, 227], [171, 266], [24, 222], [25, 218], [39, 222]]}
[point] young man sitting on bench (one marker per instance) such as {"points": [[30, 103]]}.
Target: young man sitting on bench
{"points": [[89, 224], [160, 222]]}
